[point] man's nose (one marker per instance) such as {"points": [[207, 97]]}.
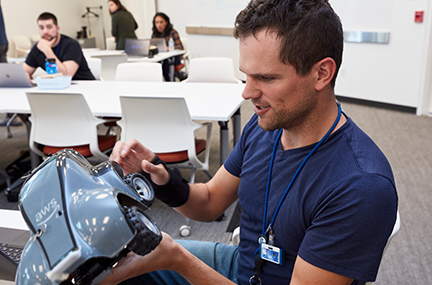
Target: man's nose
{"points": [[251, 90]]}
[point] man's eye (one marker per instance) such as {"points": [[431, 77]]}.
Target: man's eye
{"points": [[266, 78]]}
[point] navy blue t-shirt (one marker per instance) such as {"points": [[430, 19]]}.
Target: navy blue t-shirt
{"points": [[338, 214], [68, 49]]}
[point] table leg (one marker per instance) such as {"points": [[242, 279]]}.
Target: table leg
{"points": [[34, 158], [171, 69], [224, 139], [236, 126]]}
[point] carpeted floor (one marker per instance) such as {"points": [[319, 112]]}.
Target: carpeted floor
{"points": [[405, 138]]}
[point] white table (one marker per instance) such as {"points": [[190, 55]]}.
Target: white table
{"points": [[206, 101], [104, 54]]}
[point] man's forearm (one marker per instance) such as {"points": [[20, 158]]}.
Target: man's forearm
{"points": [[196, 271]]}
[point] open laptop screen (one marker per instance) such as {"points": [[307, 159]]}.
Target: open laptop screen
{"points": [[13, 75], [160, 43], [135, 47]]}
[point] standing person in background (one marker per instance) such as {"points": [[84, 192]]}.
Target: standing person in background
{"points": [[162, 28], [4, 45], [3, 40], [123, 23]]}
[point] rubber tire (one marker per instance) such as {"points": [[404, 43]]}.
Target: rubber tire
{"points": [[147, 236], [137, 182]]}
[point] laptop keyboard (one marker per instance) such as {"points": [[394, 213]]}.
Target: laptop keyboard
{"points": [[13, 254]]}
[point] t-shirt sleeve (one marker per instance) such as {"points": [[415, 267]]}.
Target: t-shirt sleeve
{"points": [[350, 227], [72, 52], [31, 58]]}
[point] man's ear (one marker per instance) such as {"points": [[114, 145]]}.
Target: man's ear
{"points": [[326, 69]]}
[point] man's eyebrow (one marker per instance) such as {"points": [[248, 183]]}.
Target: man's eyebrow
{"points": [[261, 74], [257, 75]]}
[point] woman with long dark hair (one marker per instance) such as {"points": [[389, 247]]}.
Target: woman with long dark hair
{"points": [[123, 23], [162, 28]]}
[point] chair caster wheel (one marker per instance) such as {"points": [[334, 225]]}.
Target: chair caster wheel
{"points": [[185, 231]]}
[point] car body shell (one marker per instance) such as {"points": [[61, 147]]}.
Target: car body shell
{"points": [[74, 212]]}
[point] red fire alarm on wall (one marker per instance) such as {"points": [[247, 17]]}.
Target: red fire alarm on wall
{"points": [[418, 16]]}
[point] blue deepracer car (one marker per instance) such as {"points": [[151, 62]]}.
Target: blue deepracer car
{"points": [[82, 220]]}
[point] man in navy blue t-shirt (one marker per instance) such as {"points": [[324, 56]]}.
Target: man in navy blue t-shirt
{"points": [[318, 196], [53, 45]]}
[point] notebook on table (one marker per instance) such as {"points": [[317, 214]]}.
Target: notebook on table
{"points": [[13, 75], [137, 48]]}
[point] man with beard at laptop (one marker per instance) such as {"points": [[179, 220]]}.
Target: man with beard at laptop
{"points": [[53, 45]]}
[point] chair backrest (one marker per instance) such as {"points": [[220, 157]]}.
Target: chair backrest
{"points": [[139, 71], [22, 45], [60, 119], [396, 228], [212, 69], [109, 64], [95, 65], [161, 124], [110, 43]]}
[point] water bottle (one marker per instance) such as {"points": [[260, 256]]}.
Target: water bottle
{"points": [[171, 45], [51, 66]]}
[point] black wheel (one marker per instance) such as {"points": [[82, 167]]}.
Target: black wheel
{"points": [[142, 187], [147, 236]]}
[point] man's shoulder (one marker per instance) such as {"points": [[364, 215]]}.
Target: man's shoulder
{"points": [[364, 151], [68, 39], [69, 42]]}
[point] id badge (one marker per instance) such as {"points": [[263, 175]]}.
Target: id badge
{"points": [[272, 253]]}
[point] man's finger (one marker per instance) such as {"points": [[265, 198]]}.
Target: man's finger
{"points": [[158, 173], [140, 149]]}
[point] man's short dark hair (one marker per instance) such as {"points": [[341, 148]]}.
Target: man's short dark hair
{"points": [[47, 16], [309, 30]]}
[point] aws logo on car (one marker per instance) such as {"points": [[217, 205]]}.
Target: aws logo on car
{"points": [[47, 212]]}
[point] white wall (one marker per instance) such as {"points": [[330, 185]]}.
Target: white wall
{"points": [[394, 73], [390, 73], [210, 13], [20, 16]]}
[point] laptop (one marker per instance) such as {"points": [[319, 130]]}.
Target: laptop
{"points": [[12, 242], [13, 75], [160, 43], [137, 48]]}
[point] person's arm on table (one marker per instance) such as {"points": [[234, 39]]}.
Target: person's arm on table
{"points": [[29, 70], [68, 67]]}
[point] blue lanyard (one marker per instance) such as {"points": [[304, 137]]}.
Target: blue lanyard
{"points": [[57, 48], [264, 230]]}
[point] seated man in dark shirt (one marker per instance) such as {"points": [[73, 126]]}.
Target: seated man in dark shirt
{"points": [[65, 50]]}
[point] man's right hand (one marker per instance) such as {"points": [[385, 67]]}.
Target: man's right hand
{"points": [[132, 156], [45, 46]]}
